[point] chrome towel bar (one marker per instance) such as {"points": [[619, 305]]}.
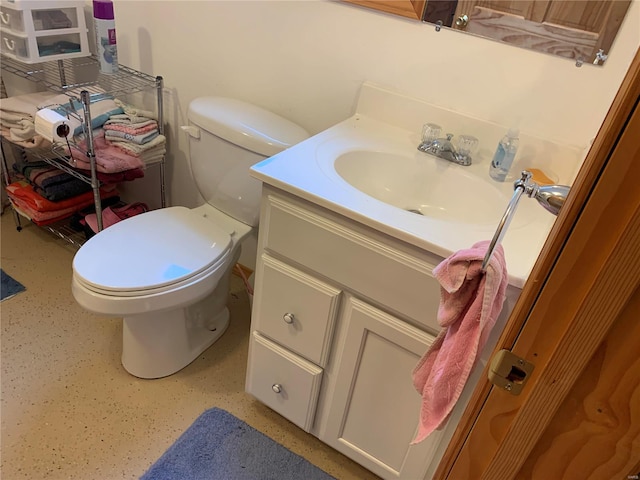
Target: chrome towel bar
{"points": [[551, 197]]}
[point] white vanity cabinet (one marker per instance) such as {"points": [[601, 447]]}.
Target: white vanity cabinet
{"points": [[341, 316]]}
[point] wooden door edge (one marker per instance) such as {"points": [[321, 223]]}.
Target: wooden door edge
{"points": [[612, 283], [595, 161]]}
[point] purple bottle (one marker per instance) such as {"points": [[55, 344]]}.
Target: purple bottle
{"points": [[105, 26]]}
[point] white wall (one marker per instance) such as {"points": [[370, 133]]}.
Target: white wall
{"points": [[306, 60]]}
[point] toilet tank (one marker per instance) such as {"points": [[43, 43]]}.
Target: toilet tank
{"points": [[229, 137]]}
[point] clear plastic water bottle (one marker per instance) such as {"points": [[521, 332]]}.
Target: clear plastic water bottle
{"points": [[505, 153]]}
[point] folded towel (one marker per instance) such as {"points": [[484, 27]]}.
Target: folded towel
{"points": [[151, 159], [51, 182], [23, 191], [136, 111], [116, 177], [469, 306], [137, 139], [23, 106], [138, 150], [23, 131], [101, 107], [133, 129], [133, 121], [108, 158], [37, 141], [40, 218], [53, 216], [17, 117]]}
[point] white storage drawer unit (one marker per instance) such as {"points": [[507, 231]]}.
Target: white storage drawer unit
{"points": [[41, 30]]}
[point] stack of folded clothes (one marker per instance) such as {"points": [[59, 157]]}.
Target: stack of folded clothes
{"points": [[17, 118], [44, 212], [51, 182], [46, 194], [127, 142], [17, 114], [136, 133], [108, 158]]}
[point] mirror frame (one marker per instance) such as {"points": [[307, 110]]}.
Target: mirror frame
{"points": [[406, 8]]}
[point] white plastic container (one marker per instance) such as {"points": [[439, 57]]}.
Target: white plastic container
{"points": [[35, 31], [106, 46]]}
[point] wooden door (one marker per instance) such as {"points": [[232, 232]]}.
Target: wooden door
{"points": [[578, 321], [406, 8], [574, 29]]}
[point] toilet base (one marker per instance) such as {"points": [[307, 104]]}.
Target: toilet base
{"points": [[157, 345]]}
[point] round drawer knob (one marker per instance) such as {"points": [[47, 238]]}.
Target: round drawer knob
{"points": [[276, 387], [288, 318]]}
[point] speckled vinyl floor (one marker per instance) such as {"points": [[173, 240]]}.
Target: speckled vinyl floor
{"points": [[68, 408]]}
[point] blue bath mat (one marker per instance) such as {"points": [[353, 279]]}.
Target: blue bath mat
{"points": [[10, 287], [219, 446]]}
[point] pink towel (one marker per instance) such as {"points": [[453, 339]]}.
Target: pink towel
{"points": [[150, 126], [108, 158], [469, 306]]}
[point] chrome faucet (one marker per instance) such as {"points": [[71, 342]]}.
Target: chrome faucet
{"points": [[443, 148]]}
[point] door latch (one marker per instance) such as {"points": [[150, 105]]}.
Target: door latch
{"points": [[510, 372]]}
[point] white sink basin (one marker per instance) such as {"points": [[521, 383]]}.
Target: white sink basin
{"points": [[372, 172], [423, 185]]}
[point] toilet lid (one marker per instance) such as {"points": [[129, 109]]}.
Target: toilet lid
{"points": [[151, 250]]}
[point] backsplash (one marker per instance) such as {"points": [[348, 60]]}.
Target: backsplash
{"points": [[559, 162]]}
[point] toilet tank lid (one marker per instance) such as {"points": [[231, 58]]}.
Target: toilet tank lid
{"points": [[245, 125]]}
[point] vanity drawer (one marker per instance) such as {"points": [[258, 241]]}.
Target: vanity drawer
{"points": [[283, 381], [376, 266], [295, 309]]}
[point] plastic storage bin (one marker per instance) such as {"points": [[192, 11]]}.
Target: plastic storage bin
{"points": [[14, 45], [39, 30]]}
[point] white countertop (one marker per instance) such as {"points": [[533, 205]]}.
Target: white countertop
{"points": [[306, 170]]}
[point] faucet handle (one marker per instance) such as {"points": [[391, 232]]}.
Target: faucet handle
{"points": [[467, 145], [430, 131]]}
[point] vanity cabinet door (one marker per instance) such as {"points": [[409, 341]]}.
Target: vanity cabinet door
{"points": [[374, 409]]}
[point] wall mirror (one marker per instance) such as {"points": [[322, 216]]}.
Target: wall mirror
{"points": [[581, 30]]}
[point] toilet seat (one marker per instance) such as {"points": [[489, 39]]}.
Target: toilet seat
{"points": [[150, 253], [153, 291]]}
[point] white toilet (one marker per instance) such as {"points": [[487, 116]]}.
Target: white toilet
{"points": [[167, 271]]}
